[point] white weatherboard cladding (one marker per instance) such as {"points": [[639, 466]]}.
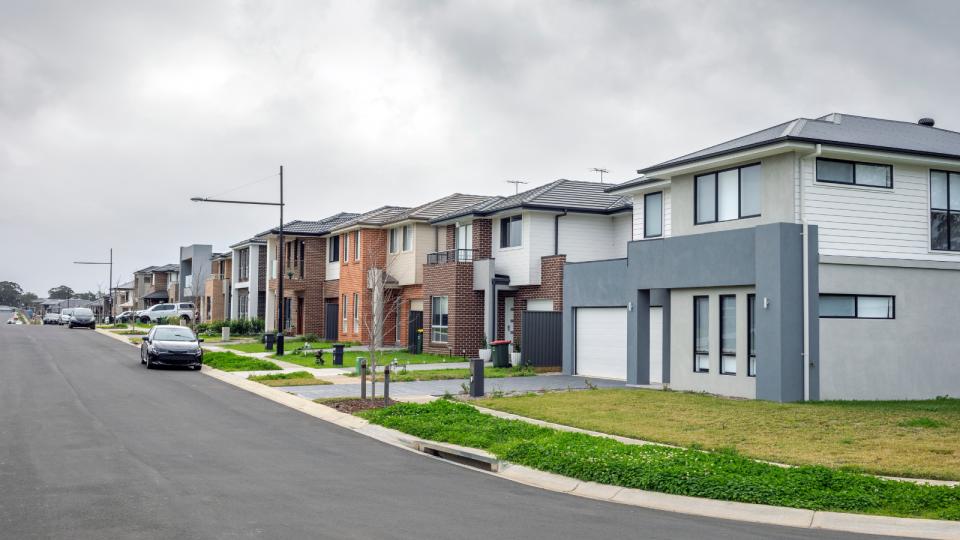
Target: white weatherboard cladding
{"points": [[407, 266], [873, 222], [656, 344], [513, 261], [638, 214], [602, 342], [591, 237], [333, 268], [539, 232]]}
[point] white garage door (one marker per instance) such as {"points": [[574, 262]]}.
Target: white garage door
{"points": [[656, 344], [602, 342]]}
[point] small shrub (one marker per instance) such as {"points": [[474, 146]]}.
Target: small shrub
{"points": [[256, 325], [311, 337]]}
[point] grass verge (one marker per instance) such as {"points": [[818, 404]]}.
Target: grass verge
{"points": [[350, 358], [228, 361], [916, 439], [453, 374], [669, 470], [296, 378]]}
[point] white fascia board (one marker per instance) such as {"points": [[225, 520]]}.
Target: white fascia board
{"points": [[643, 188], [729, 159], [861, 154]]}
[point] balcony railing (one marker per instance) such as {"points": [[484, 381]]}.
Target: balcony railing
{"points": [[450, 255]]}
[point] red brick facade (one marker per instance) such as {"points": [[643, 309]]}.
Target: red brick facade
{"points": [[464, 308], [372, 247], [482, 238], [551, 286], [213, 289], [304, 282]]}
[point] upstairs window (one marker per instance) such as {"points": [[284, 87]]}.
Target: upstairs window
{"points": [[849, 306], [727, 195], [653, 215], [836, 171], [407, 237], [944, 211], [356, 246], [346, 247], [511, 231], [393, 240], [334, 248], [465, 236]]}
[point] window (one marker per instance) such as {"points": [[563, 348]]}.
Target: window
{"points": [[727, 195], [244, 306], [944, 211], [356, 312], [511, 231], [653, 215], [345, 329], [848, 306], [393, 240], [751, 335], [835, 171], [288, 253], [701, 334], [334, 248], [728, 335], [244, 261], [356, 246], [439, 319], [346, 247], [465, 236], [208, 307], [287, 310], [407, 237]]}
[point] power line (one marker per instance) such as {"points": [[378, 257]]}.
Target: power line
{"points": [[601, 171], [516, 185], [243, 186]]}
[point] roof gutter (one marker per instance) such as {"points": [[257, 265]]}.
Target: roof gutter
{"points": [[556, 232]]}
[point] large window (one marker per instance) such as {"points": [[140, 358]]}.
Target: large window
{"points": [[836, 171], [727, 195], [356, 246], [438, 317], [653, 215], [244, 260], [244, 306], [393, 240], [511, 231], [465, 236], [701, 334], [752, 335], [728, 335], [849, 306], [344, 309], [356, 312], [346, 247], [334, 248], [944, 211], [407, 237]]}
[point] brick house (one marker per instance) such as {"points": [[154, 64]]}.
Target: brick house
{"points": [[249, 279], [152, 284], [215, 302], [311, 278], [505, 255]]}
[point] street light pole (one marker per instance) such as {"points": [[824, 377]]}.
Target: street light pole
{"points": [[279, 248], [109, 283]]}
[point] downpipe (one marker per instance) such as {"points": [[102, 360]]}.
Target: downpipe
{"points": [[806, 273]]}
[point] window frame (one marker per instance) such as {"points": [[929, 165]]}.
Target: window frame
{"points": [[722, 353], [406, 243], [346, 247], [646, 215], [751, 335], [334, 249], [356, 245], [345, 312], [433, 314], [506, 233], [696, 324], [946, 211], [856, 307], [356, 312], [393, 240], [816, 173], [716, 194]]}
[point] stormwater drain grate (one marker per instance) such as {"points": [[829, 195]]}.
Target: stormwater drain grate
{"points": [[484, 463]]}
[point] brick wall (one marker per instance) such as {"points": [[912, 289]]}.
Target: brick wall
{"points": [[353, 280], [407, 293], [451, 236], [159, 283], [482, 238], [311, 265], [464, 308], [551, 286]]}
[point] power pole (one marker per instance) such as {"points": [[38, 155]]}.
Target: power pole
{"points": [[601, 171], [516, 184]]}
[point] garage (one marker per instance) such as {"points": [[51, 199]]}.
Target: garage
{"points": [[601, 342]]}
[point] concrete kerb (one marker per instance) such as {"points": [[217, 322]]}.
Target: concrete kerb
{"points": [[737, 511]]}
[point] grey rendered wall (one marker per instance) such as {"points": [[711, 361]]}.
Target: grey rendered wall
{"points": [[777, 180], [914, 356]]}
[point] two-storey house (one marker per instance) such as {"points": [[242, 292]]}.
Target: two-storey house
{"points": [[249, 279], [215, 302], [816, 259], [506, 255]]}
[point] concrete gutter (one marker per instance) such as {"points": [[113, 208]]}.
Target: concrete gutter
{"points": [[756, 513]]}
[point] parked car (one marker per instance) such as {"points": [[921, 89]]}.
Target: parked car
{"points": [[179, 310], [51, 318], [125, 317], [82, 318], [65, 316], [11, 321], [167, 345]]}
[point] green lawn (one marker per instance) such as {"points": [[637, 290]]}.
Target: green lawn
{"points": [[722, 476], [349, 358], [451, 374], [917, 439], [296, 378], [228, 361], [288, 348]]}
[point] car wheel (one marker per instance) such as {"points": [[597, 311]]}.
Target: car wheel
{"points": [[145, 320], [142, 361], [198, 368], [149, 363], [70, 326]]}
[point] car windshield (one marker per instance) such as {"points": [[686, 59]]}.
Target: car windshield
{"points": [[82, 313], [174, 334], [68, 312]]}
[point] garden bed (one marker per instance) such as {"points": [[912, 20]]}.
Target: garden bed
{"points": [[354, 405], [688, 472]]}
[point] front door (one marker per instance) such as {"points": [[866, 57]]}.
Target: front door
{"points": [[333, 314], [508, 319], [299, 315]]}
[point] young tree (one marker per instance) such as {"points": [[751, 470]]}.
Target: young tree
{"points": [[381, 300], [61, 293], [91, 296], [10, 293], [26, 299]]}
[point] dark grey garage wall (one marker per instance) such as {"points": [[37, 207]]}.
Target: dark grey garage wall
{"points": [[767, 256]]}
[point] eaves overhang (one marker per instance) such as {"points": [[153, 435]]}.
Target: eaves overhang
{"points": [[522, 207]]}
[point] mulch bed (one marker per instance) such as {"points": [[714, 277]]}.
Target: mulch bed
{"points": [[355, 405]]}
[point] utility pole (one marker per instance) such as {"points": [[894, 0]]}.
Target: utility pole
{"points": [[109, 283], [516, 184], [599, 170]]}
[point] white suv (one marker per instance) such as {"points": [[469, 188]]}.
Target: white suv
{"points": [[179, 310]]}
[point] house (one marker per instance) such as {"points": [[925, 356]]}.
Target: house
{"points": [[151, 285], [214, 304], [310, 275], [123, 298], [249, 279], [816, 259], [194, 266], [505, 255]]}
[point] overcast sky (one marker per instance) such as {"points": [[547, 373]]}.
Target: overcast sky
{"points": [[114, 114]]}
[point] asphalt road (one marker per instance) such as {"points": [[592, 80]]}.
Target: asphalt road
{"points": [[93, 445]]}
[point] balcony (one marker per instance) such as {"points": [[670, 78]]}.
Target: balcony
{"points": [[450, 255]]}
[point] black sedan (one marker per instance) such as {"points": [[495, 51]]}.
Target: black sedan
{"points": [[82, 318], [168, 345]]}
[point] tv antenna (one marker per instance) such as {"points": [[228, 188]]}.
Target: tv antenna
{"points": [[516, 185], [601, 171]]}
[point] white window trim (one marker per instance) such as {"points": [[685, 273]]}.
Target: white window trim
{"points": [[356, 312]]}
